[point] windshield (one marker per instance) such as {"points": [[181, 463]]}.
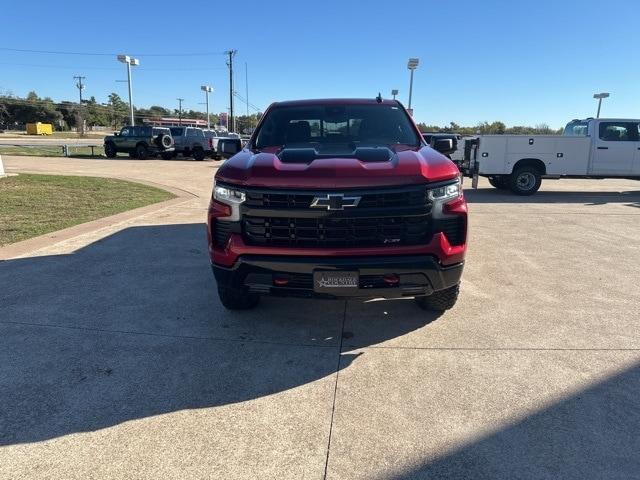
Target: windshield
{"points": [[315, 126], [576, 128]]}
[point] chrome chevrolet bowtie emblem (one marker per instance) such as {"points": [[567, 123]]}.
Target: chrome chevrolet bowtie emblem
{"points": [[335, 202]]}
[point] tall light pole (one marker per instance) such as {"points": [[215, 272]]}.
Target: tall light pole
{"points": [[412, 65], [130, 62], [207, 90], [180, 100], [394, 92], [600, 96]]}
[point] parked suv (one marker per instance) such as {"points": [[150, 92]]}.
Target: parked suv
{"points": [[189, 142], [139, 142], [337, 198]]}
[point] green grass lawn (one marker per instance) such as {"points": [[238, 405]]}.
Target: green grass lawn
{"points": [[32, 205], [49, 151]]}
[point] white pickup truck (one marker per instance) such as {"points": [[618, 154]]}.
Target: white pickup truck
{"points": [[590, 148]]}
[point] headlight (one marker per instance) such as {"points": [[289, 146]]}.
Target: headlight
{"points": [[228, 195], [446, 192]]}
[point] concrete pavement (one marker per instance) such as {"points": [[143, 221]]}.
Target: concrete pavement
{"points": [[117, 359]]}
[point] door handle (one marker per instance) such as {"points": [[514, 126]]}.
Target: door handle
{"points": [[603, 148]]}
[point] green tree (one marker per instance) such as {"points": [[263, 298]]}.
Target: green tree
{"points": [[117, 111]]}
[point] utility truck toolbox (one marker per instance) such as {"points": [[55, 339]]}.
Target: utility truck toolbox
{"points": [[333, 199], [590, 148]]}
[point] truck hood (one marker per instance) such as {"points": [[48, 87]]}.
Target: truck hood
{"points": [[267, 170]]}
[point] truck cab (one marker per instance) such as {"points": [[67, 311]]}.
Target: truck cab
{"points": [[615, 145]]}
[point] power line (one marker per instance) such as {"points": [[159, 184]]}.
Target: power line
{"points": [[107, 54], [64, 67], [244, 100]]}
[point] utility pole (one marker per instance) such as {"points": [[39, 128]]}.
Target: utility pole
{"points": [[80, 116], [80, 85], [232, 122], [246, 85], [180, 100]]}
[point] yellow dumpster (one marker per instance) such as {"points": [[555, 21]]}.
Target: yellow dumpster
{"points": [[39, 129]]}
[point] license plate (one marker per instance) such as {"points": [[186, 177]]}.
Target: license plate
{"points": [[335, 282]]}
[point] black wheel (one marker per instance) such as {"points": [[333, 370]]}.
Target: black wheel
{"points": [[441, 300], [110, 150], [167, 155], [525, 181], [237, 298], [499, 182], [198, 153], [142, 152]]}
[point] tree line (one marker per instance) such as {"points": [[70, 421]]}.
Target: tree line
{"points": [[494, 128], [16, 112]]}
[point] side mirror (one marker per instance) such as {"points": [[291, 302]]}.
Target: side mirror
{"points": [[228, 147], [116, 134], [443, 145]]}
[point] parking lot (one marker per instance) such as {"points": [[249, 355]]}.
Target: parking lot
{"points": [[118, 360]]}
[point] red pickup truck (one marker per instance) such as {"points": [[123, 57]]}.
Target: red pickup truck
{"points": [[337, 198]]}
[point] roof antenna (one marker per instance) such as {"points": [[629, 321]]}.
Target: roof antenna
{"points": [[379, 98]]}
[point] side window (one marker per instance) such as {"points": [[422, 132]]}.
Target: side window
{"points": [[618, 132]]}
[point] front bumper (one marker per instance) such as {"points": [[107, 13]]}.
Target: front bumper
{"points": [[417, 275]]}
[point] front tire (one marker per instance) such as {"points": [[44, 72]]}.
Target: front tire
{"points": [[237, 298], [110, 150], [525, 181], [441, 300]]}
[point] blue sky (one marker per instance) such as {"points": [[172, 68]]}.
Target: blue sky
{"points": [[518, 62]]}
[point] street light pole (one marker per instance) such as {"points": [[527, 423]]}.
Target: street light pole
{"points": [[180, 100], [412, 65], [207, 89], [130, 62], [599, 97]]}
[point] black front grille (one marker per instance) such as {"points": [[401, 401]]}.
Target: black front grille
{"points": [[336, 231], [221, 232], [406, 197], [389, 216]]}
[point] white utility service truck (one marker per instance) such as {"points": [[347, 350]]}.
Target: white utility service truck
{"points": [[590, 148]]}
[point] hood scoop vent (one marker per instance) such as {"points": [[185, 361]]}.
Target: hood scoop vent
{"points": [[308, 155]]}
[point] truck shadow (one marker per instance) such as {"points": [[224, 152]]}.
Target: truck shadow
{"points": [[591, 434], [130, 327], [629, 198]]}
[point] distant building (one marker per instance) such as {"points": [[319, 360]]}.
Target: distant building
{"points": [[174, 122]]}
